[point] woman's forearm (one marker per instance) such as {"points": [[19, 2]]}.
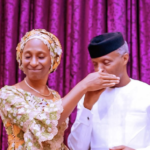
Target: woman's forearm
{"points": [[71, 99]]}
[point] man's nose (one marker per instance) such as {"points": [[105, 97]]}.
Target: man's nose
{"points": [[100, 67], [34, 62]]}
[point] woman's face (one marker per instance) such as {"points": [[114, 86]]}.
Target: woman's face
{"points": [[36, 59]]}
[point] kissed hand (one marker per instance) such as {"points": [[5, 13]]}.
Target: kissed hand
{"points": [[100, 80]]}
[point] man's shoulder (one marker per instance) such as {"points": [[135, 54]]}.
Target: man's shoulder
{"points": [[140, 84], [141, 87]]}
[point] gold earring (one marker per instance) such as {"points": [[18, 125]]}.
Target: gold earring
{"points": [[21, 67]]}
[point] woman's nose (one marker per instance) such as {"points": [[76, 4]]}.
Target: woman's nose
{"points": [[34, 62]]}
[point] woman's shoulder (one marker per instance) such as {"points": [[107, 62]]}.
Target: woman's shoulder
{"points": [[6, 89], [9, 91]]}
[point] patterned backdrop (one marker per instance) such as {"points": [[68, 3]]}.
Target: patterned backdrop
{"points": [[74, 22]]}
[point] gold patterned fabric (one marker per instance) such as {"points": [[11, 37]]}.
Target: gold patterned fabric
{"points": [[31, 122]]}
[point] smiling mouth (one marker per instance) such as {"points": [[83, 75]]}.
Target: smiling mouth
{"points": [[35, 69]]}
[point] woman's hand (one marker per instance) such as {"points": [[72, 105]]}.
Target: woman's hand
{"points": [[99, 80]]}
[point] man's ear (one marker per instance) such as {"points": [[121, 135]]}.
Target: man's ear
{"points": [[125, 58]]}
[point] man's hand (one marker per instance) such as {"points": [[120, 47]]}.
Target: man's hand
{"points": [[91, 98], [121, 148]]}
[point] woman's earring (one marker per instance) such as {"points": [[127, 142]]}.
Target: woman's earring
{"points": [[21, 67]]}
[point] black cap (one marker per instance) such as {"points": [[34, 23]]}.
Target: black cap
{"points": [[105, 43]]}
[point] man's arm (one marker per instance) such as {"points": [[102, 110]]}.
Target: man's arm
{"points": [[80, 136]]}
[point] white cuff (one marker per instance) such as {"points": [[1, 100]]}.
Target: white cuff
{"points": [[85, 116]]}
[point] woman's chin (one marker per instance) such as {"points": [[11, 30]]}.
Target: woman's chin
{"points": [[35, 77]]}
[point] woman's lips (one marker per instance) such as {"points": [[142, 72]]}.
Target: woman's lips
{"points": [[35, 70]]}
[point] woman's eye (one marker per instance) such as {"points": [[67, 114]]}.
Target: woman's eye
{"points": [[41, 57], [27, 57]]}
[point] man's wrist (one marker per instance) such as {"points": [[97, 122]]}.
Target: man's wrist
{"points": [[87, 105]]}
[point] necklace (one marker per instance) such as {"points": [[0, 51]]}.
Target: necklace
{"points": [[37, 90]]}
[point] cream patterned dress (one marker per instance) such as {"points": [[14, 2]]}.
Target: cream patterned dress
{"points": [[30, 121]]}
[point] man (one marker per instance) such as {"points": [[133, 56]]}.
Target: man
{"points": [[116, 118]]}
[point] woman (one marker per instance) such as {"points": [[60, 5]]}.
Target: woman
{"points": [[34, 115]]}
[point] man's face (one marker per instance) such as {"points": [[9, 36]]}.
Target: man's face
{"points": [[112, 63]]}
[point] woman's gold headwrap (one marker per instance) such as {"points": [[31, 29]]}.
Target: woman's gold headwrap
{"points": [[48, 39]]}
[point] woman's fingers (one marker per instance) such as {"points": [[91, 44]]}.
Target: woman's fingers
{"points": [[105, 85], [109, 77], [105, 74], [111, 81]]}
